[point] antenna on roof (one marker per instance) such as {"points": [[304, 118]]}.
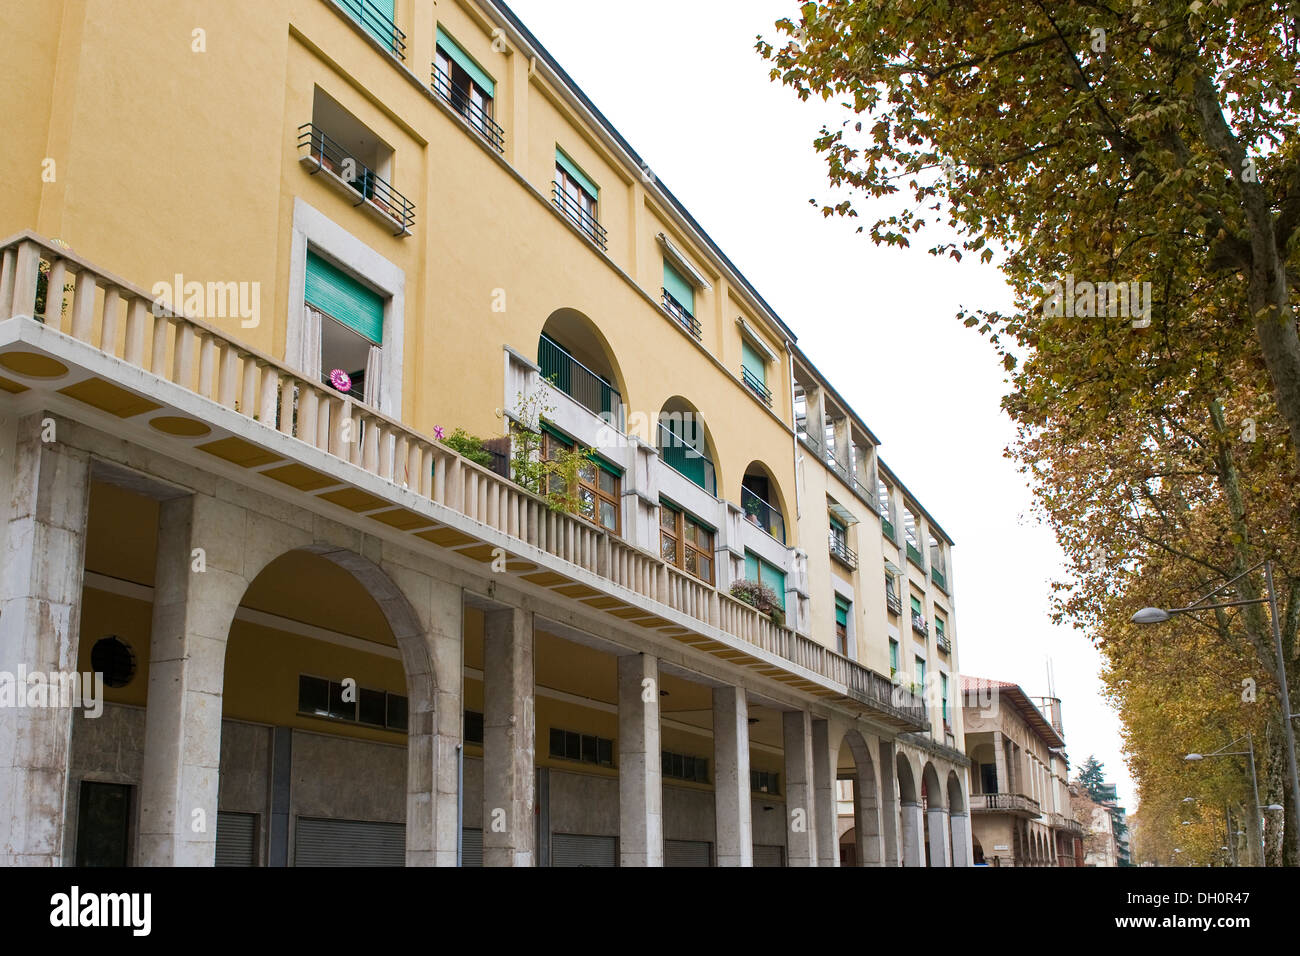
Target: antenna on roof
{"points": [[1051, 680]]}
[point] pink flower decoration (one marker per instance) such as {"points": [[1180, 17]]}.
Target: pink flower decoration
{"points": [[341, 380], [437, 432]]}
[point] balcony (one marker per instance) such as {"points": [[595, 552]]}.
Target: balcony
{"points": [[842, 553], [580, 383], [915, 557], [919, 625], [684, 458], [942, 641], [840, 468], [181, 388], [759, 512], [679, 313], [939, 578], [893, 602], [474, 114], [887, 527], [320, 154], [755, 385], [377, 24], [579, 216], [1015, 803]]}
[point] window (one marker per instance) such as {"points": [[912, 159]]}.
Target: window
{"points": [[753, 368], [940, 637], [920, 674], [464, 84], [686, 543], [113, 657], [756, 569], [578, 197], [335, 700], [679, 299], [988, 778], [764, 781], [684, 767], [473, 727], [918, 617], [598, 484], [943, 696], [842, 625], [893, 658], [587, 748], [345, 321], [378, 17]]}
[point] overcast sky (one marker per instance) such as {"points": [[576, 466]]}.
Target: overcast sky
{"points": [[681, 81]]}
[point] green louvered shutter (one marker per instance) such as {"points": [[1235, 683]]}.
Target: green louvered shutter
{"points": [[570, 167], [841, 611], [461, 59], [341, 297], [377, 16], [753, 362], [751, 567], [916, 605], [774, 579], [679, 288]]}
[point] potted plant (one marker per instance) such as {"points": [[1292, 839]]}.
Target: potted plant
{"points": [[761, 597]]}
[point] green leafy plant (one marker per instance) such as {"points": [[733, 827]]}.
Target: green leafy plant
{"points": [[761, 597], [42, 289], [553, 479], [470, 446]]}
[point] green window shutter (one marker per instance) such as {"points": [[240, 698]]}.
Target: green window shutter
{"points": [[461, 59], [679, 288], [753, 362], [916, 605], [841, 611], [773, 579], [751, 567], [943, 688], [893, 654], [683, 460], [342, 297], [920, 671], [570, 167], [357, 10], [839, 526]]}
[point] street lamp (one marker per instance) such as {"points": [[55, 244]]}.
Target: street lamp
{"points": [[1249, 754], [1155, 615]]}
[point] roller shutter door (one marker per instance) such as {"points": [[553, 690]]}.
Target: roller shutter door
{"points": [[765, 855], [471, 847], [687, 853], [236, 839], [348, 843], [576, 849]]}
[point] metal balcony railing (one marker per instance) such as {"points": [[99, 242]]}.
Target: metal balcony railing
{"points": [[580, 383], [377, 24], [757, 386], [842, 552], [477, 117], [759, 512], [687, 459], [942, 641], [919, 624], [329, 155], [579, 216], [915, 556], [887, 527], [939, 578], [679, 313], [893, 602]]}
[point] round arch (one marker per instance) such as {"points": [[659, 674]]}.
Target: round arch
{"points": [[855, 764], [685, 441], [572, 350], [760, 496]]}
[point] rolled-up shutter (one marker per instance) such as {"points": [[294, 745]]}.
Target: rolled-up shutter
{"points": [[577, 849], [677, 286], [236, 839], [471, 847], [342, 297], [348, 843], [463, 60], [768, 855], [687, 853], [753, 363]]}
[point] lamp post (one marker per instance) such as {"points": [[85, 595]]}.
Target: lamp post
{"points": [[1256, 837], [1154, 615]]}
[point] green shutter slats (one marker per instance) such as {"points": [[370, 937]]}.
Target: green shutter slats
{"points": [[841, 611], [677, 286], [753, 362], [343, 298], [462, 59], [570, 167]]}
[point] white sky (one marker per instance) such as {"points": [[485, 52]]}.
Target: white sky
{"points": [[681, 81]]}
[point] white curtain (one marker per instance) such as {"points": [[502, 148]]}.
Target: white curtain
{"points": [[374, 364], [309, 351]]}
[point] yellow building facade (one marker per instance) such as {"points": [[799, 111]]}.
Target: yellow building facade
{"points": [[263, 260]]}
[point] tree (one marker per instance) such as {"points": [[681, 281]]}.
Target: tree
{"points": [[1092, 777]]}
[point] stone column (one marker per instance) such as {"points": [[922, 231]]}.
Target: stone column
{"points": [[889, 835], [195, 597], [913, 833], [508, 738], [1000, 759], [733, 805], [938, 819], [40, 622], [640, 763], [824, 774], [800, 799], [866, 818], [963, 849]]}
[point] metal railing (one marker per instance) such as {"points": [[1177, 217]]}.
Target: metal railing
{"points": [[841, 551], [329, 155], [756, 385], [760, 513], [579, 216], [919, 624], [475, 115], [915, 556], [580, 383], [893, 602], [887, 527], [942, 641], [679, 313], [939, 578], [169, 355], [687, 459], [377, 24]]}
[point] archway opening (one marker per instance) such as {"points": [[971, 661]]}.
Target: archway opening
{"points": [[575, 357], [760, 499], [857, 804], [684, 443]]}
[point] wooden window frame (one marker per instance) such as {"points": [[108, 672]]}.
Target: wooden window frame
{"points": [[614, 500], [681, 545]]}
